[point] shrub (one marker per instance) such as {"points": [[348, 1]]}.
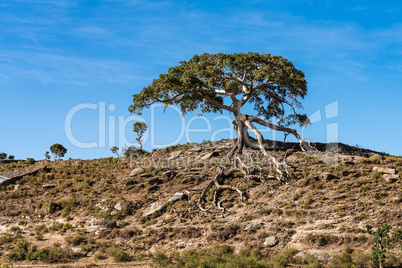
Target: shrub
{"points": [[121, 256]]}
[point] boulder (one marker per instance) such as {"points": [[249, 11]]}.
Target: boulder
{"points": [[136, 171], [169, 173], [396, 199], [196, 149], [154, 208], [327, 176], [270, 241], [208, 156], [48, 186], [174, 155], [154, 180], [119, 206], [153, 188], [391, 177], [252, 225], [384, 170], [176, 197]]}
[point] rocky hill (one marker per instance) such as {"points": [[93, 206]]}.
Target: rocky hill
{"points": [[136, 211]]}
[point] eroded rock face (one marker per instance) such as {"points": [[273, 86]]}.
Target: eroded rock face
{"points": [[390, 178], [136, 171], [154, 180], [174, 155], [385, 170], [209, 155], [176, 197], [154, 208]]}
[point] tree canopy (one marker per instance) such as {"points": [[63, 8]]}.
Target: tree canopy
{"points": [[267, 81], [58, 150], [140, 128]]}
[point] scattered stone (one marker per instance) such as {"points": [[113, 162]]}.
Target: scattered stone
{"points": [[384, 170], [176, 197], [146, 175], [174, 155], [252, 226], [197, 164], [181, 245], [153, 188], [131, 182], [118, 206], [396, 199], [136, 171], [169, 173], [113, 213], [270, 241], [195, 150], [210, 155], [327, 176], [154, 180], [76, 249], [390, 177], [94, 222], [48, 186], [154, 208], [345, 173]]}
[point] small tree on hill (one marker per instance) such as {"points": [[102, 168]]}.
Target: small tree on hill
{"points": [[58, 150], [140, 128], [115, 150], [3, 156], [47, 155]]}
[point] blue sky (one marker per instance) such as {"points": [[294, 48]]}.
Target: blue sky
{"points": [[57, 54]]}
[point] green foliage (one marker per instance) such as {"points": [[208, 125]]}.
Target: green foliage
{"points": [[221, 255], [47, 156], [268, 82], [383, 241], [11, 157], [58, 150], [31, 161], [121, 256], [3, 156], [115, 150]]}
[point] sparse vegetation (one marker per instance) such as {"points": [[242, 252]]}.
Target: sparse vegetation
{"points": [[94, 207]]}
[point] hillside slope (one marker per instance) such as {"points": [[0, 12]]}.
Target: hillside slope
{"points": [[108, 210]]}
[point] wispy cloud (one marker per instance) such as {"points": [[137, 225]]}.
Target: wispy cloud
{"points": [[54, 68]]}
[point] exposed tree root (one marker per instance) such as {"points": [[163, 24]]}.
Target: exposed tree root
{"points": [[218, 187]]}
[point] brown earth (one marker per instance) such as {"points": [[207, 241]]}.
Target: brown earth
{"points": [[95, 208]]}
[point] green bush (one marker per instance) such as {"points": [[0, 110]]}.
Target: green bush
{"points": [[121, 256], [221, 255]]}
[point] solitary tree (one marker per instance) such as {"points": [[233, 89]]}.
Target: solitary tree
{"points": [[58, 150], [217, 82], [115, 150], [140, 128], [3, 156], [47, 156]]}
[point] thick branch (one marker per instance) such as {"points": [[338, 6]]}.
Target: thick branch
{"points": [[292, 131], [260, 139]]}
